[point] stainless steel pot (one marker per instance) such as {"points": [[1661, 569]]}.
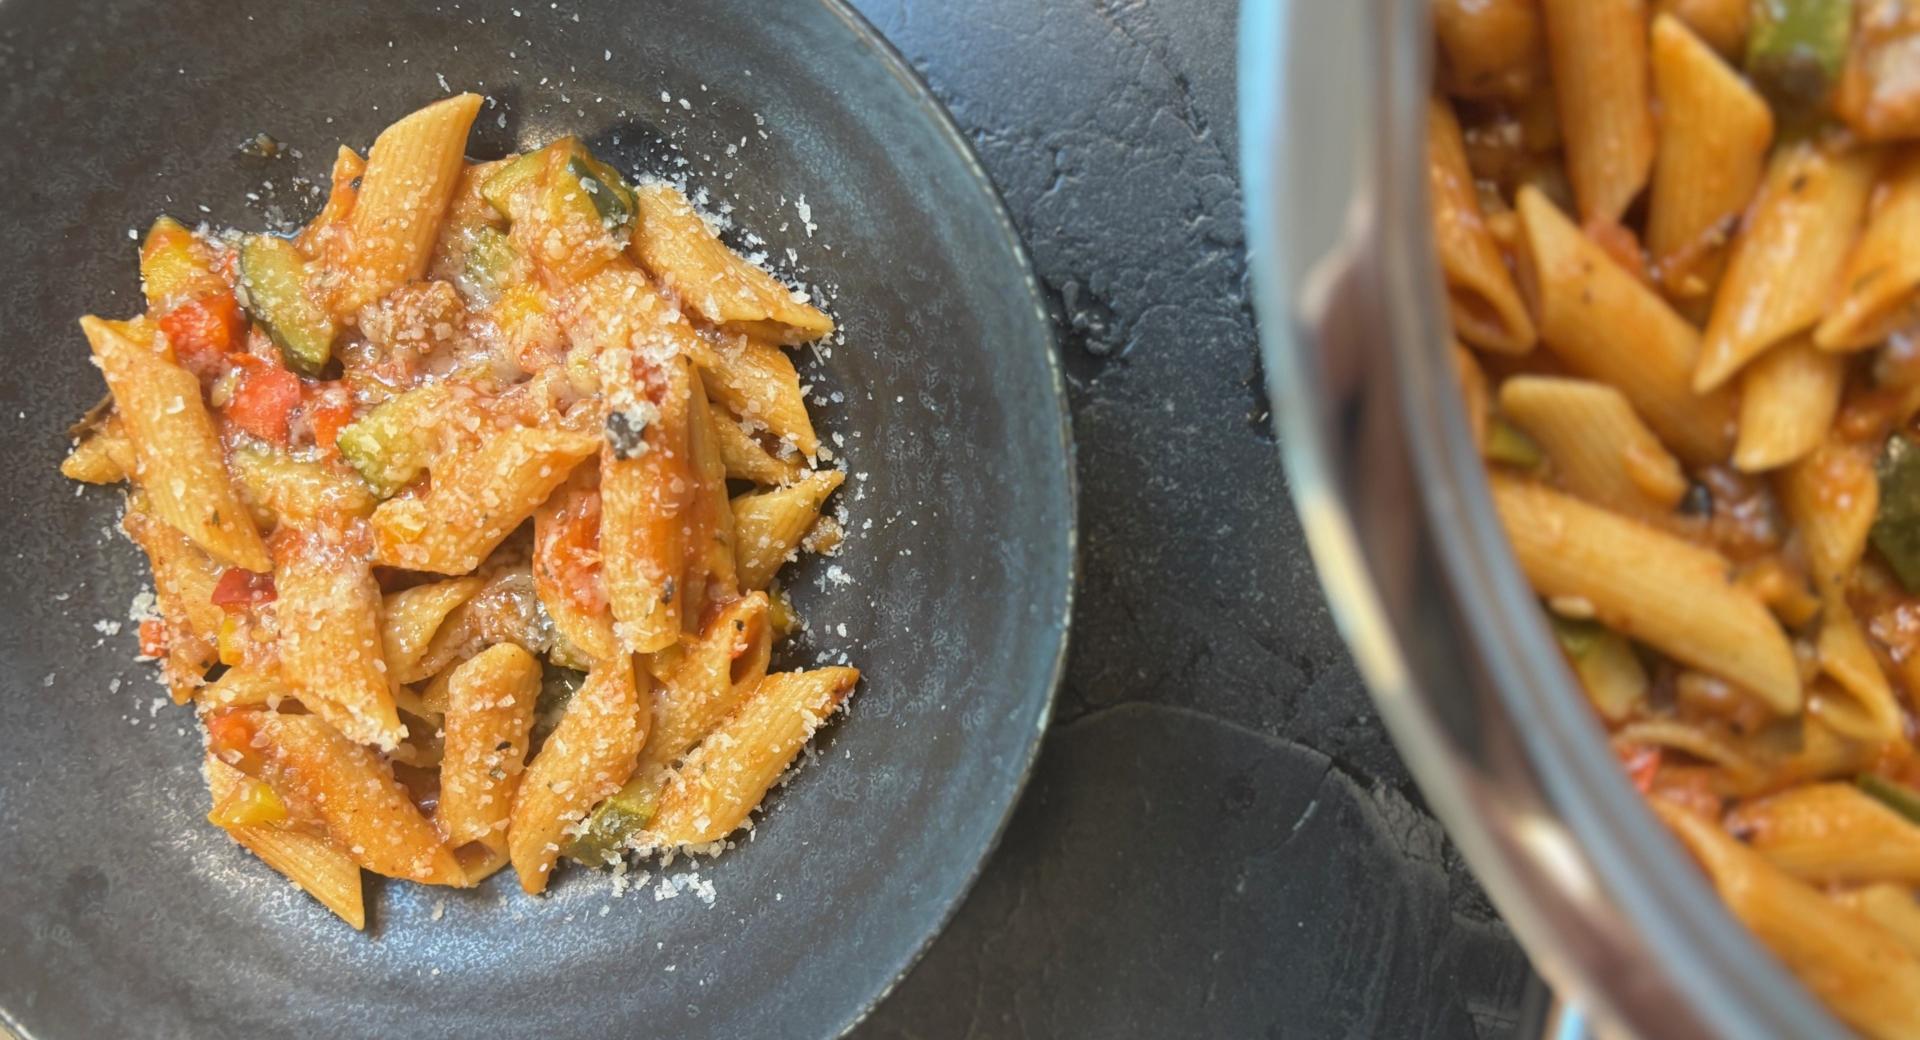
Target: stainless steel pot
{"points": [[1395, 505]]}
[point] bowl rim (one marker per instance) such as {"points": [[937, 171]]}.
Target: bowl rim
{"points": [[943, 123]]}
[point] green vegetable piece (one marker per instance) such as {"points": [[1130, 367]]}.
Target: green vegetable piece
{"points": [[1896, 796], [1604, 661], [274, 275], [1577, 637], [604, 189], [390, 445], [612, 200], [507, 180], [1506, 444], [558, 684], [1796, 50], [616, 820], [1896, 526], [489, 264]]}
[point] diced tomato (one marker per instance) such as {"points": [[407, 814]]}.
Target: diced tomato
{"points": [[153, 637], [203, 330], [230, 735], [264, 399], [1642, 762], [329, 408], [240, 589]]}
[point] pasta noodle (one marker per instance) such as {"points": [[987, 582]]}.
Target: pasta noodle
{"points": [[331, 647], [1882, 274], [1831, 833], [321, 870], [1861, 970], [1788, 399], [489, 719], [484, 496], [1601, 449], [1713, 138], [366, 811], [1491, 48], [1651, 586], [410, 175], [1598, 51], [177, 455], [768, 525], [1606, 325], [1484, 301], [1787, 258], [589, 756], [673, 243], [728, 774]]}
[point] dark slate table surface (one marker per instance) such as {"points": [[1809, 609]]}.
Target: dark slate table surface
{"points": [[1219, 839]]}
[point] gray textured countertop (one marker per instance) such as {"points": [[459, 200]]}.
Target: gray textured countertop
{"points": [[1219, 839]]}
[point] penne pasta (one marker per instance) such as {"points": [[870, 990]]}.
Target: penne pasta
{"points": [[712, 569], [1713, 138], [758, 383], [313, 863], [719, 672], [102, 456], [177, 454], [1877, 94], [1604, 324], [183, 582], [489, 719], [478, 501], [1599, 448], [1723, 24], [588, 757], [1831, 496], [410, 618], [1490, 48], [1702, 743], [747, 458], [1831, 833], [1860, 702], [1482, 298], [1878, 286], [676, 246], [566, 567], [331, 651], [646, 485], [343, 190], [1862, 971], [279, 489], [1890, 906], [242, 687], [1651, 586], [729, 773], [410, 176], [1598, 53], [1788, 399], [769, 525], [367, 813], [1788, 257]]}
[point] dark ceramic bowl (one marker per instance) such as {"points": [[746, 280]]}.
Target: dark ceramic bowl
{"points": [[123, 913]]}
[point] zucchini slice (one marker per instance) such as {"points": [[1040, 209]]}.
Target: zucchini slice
{"points": [[274, 275]]}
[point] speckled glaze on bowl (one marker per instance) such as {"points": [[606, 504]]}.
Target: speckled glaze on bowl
{"points": [[122, 913]]}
